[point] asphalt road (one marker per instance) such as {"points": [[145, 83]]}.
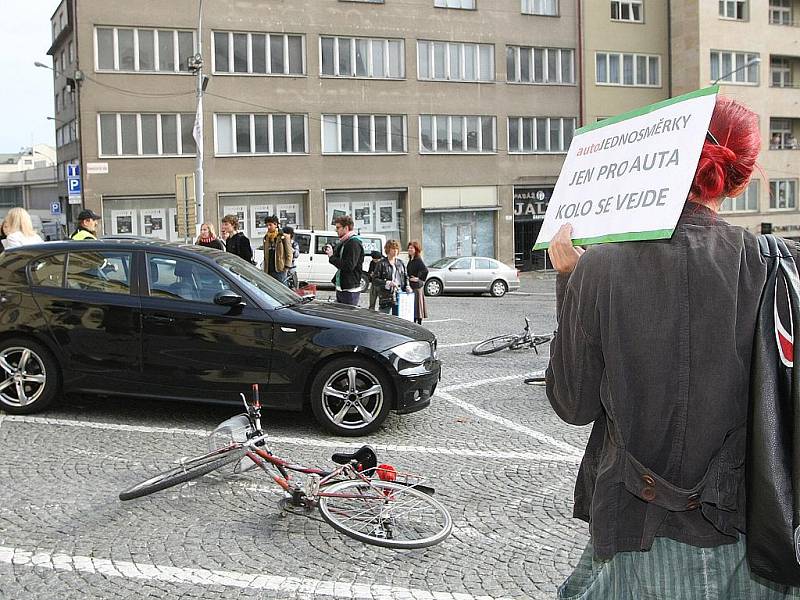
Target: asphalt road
{"points": [[499, 458]]}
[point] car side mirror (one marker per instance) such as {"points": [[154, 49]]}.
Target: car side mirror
{"points": [[228, 298]]}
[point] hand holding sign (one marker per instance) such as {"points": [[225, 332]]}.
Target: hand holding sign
{"points": [[563, 254], [627, 177]]}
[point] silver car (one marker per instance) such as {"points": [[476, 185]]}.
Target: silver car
{"points": [[470, 274]]}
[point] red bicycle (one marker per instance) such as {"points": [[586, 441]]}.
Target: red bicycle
{"points": [[371, 502]]}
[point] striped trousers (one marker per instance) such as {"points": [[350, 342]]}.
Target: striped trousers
{"points": [[671, 571]]}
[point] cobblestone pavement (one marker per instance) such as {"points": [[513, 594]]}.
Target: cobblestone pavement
{"points": [[500, 460]]}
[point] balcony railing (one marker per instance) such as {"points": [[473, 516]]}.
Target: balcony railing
{"points": [[788, 85], [792, 23]]}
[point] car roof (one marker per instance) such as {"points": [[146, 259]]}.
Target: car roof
{"points": [[114, 244]]}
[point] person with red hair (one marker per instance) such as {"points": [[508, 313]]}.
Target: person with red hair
{"points": [[653, 347]]}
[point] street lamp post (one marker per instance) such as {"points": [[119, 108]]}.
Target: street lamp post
{"points": [[748, 64], [196, 65]]}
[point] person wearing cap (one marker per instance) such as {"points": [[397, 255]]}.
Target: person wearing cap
{"points": [[277, 250], [87, 226], [376, 256]]}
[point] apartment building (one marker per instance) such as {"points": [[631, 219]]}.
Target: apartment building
{"points": [[637, 52], [424, 119]]}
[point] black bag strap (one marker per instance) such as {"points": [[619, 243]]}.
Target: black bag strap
{"points": [[781, 259]]}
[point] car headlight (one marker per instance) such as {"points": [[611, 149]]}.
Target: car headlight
{"points": [[413, 352]]}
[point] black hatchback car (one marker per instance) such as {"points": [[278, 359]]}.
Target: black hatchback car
{"points": [[152, 319]]}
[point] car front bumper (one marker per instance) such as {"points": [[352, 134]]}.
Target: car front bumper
{"points": [[415, 386]]}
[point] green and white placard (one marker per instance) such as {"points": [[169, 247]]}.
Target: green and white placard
{"points": [[627, 177]]}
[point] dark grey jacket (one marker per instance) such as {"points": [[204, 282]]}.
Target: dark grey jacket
{"points": [[654, 344]]}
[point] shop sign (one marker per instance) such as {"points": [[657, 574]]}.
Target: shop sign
{"points": [[530, 204]]}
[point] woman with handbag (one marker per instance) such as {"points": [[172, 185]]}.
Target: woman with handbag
{"points": [[417, 274], [654, 347], [390, 278]]}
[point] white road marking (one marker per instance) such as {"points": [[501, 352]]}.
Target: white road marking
{"points": [[574, 452], [304, 586], [441, 320], [308, 442], [458, 345], [480, 382]]}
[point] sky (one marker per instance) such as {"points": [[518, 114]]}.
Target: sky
{"points": [[26, 99]]}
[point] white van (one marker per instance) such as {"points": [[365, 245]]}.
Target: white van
{"points": [[312, 264]]}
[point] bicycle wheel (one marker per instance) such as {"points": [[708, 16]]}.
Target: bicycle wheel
{"points": [[191, 469], [385, 514], [495, 344]]}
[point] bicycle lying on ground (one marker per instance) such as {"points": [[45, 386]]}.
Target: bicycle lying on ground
{"points": [[512, 341], [371, 502]]}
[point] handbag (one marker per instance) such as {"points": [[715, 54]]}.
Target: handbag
{"points": [[773, 440], [406, 301]]}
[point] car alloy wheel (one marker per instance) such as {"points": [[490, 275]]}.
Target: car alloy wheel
{"points": [[499, 288], [433, 287], [351, 396], [24, 377]]}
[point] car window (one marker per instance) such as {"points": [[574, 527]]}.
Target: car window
{"points": [[441, 263], [322, 241], [462, 263], [371, 244], [99, 271], [304, 240], [183, 279], [48, 271], [256, 282], [485, 263]]}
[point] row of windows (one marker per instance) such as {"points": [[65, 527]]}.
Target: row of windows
{"points": [[780, 11], [782, 196], [138, 49], [528, 7], [66, 134], [165, 134]]}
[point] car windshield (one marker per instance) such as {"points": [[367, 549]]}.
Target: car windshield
{"points": [[442, 262], [267, 288]]}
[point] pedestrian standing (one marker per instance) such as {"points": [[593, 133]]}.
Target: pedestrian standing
{"points": [[19, 229], [373, 289], [390, 278], [277, 250], [654, 346], [208, 237], [417, 274], [87, 226], [348, 258], [236, 242], [291, 279]]}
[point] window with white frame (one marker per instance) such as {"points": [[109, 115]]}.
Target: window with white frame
{"points": [[377, 134], [540, 134], [730, 67], [455, 61], [747, 201], [149, 50], [260, 134], [540, 65], [540, 7], [258, 53], [457, 133], [733, 9], [376, 58], [467, 4], [781, 136], [780, 12], [145, 134], [780, 70], [783, 194], [627, 10], [613, 68]]}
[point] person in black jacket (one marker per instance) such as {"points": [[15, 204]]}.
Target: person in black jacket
{"points": [[208, 237], [348, 258], [390, 278], [417, 274], [373, 289], [236, 242]]}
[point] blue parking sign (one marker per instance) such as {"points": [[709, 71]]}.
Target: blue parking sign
{"points": [[55, 208], [73, 170], [74, 185]]}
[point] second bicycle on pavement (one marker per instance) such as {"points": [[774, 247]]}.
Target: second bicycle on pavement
{"points": [[512, 341]]}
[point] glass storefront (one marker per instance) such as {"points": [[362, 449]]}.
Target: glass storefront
{"points": [[530, 205], [376, 211], [147, 216], [458, 233]]}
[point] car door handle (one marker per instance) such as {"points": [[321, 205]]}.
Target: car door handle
{"points": [[160, 318]]}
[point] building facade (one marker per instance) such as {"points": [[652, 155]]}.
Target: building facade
{"points": [[423, 118]]}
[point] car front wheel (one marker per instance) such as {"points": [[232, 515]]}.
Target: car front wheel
{"points": [[351, 396], [499, 288], [29, 376], [433, 287]]}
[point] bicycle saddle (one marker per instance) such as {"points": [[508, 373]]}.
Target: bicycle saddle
{"points": [[364, 456]]}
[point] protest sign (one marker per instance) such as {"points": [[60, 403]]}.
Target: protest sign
{"points": [[627, 177]]}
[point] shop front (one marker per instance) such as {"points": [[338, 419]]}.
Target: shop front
{"points": [[530, 205], [152, 216], [459, 221], [373, 211]]}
